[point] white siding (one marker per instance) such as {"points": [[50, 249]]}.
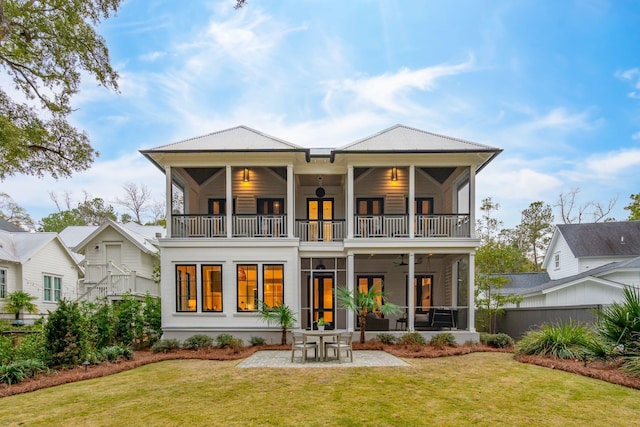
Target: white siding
{"points": [[51, 260], [569, 264], [583, 294]]}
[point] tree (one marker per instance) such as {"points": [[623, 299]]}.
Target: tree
{"points": [[281, 314], [135, 200], [592, 210], [14, 213], [363, 303], [45, 48], [535, 229], [18, 302], [634, 208], [89, 212], [488, 227]]}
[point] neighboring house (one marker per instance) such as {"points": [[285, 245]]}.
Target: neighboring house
{"points": [[253, 218], [8, 226], [40, 265], [117, 258], [585, 264]]}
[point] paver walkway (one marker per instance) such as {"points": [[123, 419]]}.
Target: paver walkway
{"points": [[282, 359]]}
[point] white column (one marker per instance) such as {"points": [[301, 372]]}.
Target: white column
{"points": [[412, 198], [472, 201], [290, 201], [350, 286], [229, 193], [411, 291], [471, 316], [350, 194], [169, 198]]}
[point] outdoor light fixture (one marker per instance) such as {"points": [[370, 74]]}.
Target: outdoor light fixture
{"points": [[394, 174], [246, 175]]}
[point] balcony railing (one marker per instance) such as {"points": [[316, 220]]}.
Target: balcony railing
{"points": [[434, 225], [320, 231], [365, 226]]}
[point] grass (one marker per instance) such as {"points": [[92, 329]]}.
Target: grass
{"points": [[476, 389]]}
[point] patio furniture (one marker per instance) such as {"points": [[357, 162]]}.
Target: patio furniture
{"points": [[330, 333], [301, 344], [375, 323], [343, 343]]}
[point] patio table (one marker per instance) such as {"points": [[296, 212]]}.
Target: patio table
{"points": [[322, 335]]}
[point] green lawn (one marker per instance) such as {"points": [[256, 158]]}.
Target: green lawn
{"points": [[477, 389]]}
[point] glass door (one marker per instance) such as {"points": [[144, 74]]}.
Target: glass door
{"points": [[322, 295], [320, 217]]}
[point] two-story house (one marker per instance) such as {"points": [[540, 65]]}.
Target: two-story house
{"points": [[252, 218]]}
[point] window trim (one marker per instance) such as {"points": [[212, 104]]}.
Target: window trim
{"points": [[369, 201], [53, 278], [556, 260], [264, 267], [178, 295], [202, 288], [257, 289], [3, 283]]}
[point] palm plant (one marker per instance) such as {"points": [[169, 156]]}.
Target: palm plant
{"points": [[568, 340], [365, 302], [17, 302], [619, 323], [281, 314]]}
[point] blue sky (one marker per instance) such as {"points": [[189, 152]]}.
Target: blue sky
{"points": [[554, 84]]}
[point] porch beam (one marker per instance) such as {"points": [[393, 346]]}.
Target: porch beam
{"points": [[351, 271], [229, 196], [411, 291], [412, 198], [169, 199], [350, 195], [471, 316], [290, 201]]}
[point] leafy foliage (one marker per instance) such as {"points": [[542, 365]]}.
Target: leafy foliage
{"points": [[14, 213], [497, 340], [568, 340], [165, 346], [256, 341], [412, 338], [363, 302], [18, 371], [619, 323], [386, 338], [19, 301], [66, 334], [445, 339], [634, 207], [197, 342], [535, 230], [45, 48], [113, 353], [89, 212], [281, 314]]}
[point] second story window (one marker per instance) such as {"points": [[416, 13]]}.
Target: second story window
{"points": [[270, 206], [370, 206], [556, 260]]}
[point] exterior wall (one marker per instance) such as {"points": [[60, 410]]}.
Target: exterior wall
{"points": [[336, 193], [132, 256], [569, 265], [583, 294], [54, 261], [585, 264], [181, 325]]}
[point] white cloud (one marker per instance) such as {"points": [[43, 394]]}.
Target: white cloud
{"points": [[152, 56], [561, 119], [635, 136], [389, 91]]}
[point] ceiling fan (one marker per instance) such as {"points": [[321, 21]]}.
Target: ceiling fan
{"points": [[403, 262]]}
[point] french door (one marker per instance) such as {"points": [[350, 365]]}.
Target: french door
{"points": [[320, 217], [322, 299]]}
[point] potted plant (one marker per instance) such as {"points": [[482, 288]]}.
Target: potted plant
{"points": [[321, 324]]}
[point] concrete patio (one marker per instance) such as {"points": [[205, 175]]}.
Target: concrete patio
{"points": [[282, 359]]}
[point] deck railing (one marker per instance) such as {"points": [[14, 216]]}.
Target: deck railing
{"points": [[195, 225], [320, 231], [433, 225], [260, 226]]}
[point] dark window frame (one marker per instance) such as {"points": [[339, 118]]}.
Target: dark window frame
{"points": [[206, 282], [188, 295], [264, 283], [255, 296]]}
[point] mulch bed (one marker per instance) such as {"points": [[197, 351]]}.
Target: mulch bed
{"points": [[64, 376]]}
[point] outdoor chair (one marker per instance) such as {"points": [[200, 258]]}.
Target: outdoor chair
{"points": [[343, 343], [301, 344]]}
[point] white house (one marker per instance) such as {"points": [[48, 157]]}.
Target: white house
{"points": [[251, 218], [586, 264], [117, 258], [40, 265]]}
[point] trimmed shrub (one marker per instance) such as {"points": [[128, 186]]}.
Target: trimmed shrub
{"points": [[559, 340], [412, 338], [255, 341], [66, 335], [497, 340], [224, 340], [198, 341], [165, 346], [386, 338], [443, 340], [113, 353], [236, 345]]}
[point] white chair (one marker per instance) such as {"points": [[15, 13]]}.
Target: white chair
{"points": [[301, 344], [343, 343]]}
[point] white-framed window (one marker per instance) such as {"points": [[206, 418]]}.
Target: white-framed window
{"points": [[556, 260], [3, 283], [52, 288]]}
